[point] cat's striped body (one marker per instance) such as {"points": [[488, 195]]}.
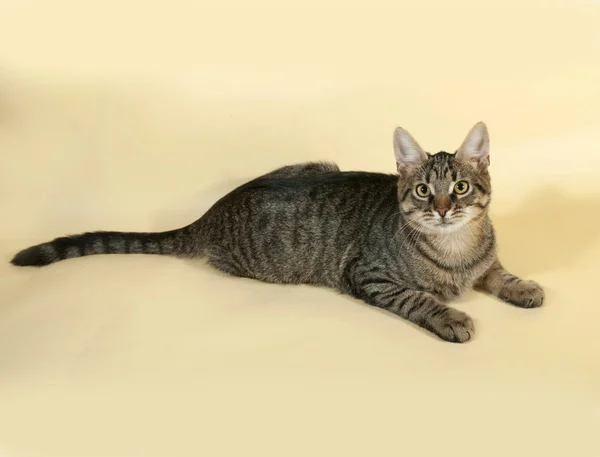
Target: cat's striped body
{"points": [[384, 239]]}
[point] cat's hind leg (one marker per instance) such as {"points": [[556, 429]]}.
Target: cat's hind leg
{"points": [[228, 262]]}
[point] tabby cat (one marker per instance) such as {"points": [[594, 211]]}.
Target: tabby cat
{"points": [[406, 242]]}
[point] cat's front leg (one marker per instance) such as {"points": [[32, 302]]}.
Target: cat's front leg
{"points": [[420, 308], [508, 287]]}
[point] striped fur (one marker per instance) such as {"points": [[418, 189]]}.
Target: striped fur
{"points": [[174, 243], [368, 235]]}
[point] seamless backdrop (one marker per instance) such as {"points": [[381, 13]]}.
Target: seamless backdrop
{"points": [[131, 115]]}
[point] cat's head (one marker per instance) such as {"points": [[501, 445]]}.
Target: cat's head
{"points": [[441, 193]]}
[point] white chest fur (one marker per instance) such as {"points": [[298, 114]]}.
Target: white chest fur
{"points": [[457, 246], [453, 261]]}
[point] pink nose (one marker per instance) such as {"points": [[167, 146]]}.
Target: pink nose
{"points": [[442, 211]]}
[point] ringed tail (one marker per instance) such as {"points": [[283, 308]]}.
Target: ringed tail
{"points": [[172, 243]]}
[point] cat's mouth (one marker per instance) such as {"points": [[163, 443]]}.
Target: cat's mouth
{"points": [[435, 224], [443, 221], [450, 219]]}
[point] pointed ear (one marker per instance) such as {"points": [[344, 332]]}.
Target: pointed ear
{"points": [[475, 149], [408, 152]]}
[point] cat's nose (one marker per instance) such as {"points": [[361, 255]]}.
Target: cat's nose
{"points": [[441, 204]]}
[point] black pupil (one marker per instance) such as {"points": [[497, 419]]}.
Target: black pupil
{"points": [[460, 186], [423, 189]]}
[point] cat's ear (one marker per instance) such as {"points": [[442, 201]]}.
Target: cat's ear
{"points": [[408, 152], [475, 149]]}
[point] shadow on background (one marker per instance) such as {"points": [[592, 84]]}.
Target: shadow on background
{"points": [[549, 230]]}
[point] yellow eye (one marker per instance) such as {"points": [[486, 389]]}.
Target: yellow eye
{"points": [[423, 190], [461, 187]]}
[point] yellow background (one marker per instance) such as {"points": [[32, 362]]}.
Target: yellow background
{"points": [[132, 115]]}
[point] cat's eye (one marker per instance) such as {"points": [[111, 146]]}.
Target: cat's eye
{"points": [[461, 187], [423, 190]]}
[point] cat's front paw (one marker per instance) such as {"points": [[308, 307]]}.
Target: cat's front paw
{"points": [[525, 294], [454, 326]]}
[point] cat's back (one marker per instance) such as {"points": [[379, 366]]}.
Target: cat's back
{"points": [[331, 190], [297, 228], [352, 182]]}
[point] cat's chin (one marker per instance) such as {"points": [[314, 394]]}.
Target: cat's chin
{"points": [[444, 228]]}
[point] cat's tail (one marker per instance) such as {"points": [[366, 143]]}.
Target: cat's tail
{"points": [[179, 243]]}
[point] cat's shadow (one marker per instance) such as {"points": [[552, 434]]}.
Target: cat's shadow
{"points": [[549, 230]]}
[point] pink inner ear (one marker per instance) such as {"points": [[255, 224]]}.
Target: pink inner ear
{"points": [[479, 162]]}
